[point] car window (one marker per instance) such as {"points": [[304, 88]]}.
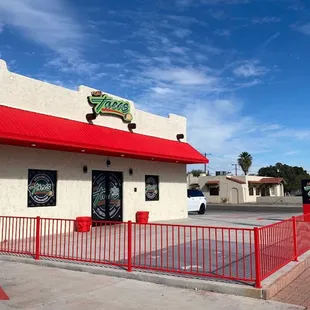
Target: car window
{"points": [[194, 193]]}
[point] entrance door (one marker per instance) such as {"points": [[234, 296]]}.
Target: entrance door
{"points": [[107, 192], [234, 195]]}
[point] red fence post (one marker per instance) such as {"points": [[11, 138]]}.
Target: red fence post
{"points": [[38, 230], [295, 259], [129, 246], [258, 283]]}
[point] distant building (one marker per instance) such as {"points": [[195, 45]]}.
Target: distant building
{"points": [[239, 189], [220, 173]]}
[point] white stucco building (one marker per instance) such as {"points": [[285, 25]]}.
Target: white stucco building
{"points": [[236, 189], [66, 153]]}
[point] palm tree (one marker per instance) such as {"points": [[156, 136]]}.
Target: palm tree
{"points": [[245, 162]]}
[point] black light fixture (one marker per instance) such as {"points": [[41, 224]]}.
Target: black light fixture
{"points": [[132, 126], [180, 136], [85, 169], [130, 171], [108, 163]]}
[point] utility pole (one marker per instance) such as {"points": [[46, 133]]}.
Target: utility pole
{"points": [[236, 168], [205, 166]]}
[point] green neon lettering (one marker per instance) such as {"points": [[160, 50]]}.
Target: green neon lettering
{"points": [[105, 104]]}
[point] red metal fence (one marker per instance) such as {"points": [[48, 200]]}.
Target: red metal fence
{"points": [[240, 254]]}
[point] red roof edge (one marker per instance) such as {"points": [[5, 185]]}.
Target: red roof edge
{"points": [[235, 180]]}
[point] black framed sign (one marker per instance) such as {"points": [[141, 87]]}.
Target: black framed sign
{"points": [[42, 188], [305, 189], [151, 187]]}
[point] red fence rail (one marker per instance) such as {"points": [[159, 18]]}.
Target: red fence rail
{"points": [[303, 233], [241, 254], [226, 253], [105, 243], [17, 235], [276, 246]]}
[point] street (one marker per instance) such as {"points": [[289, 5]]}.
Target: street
{"points": [[246, 217], [35, 287]]}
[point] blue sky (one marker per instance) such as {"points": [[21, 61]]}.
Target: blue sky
{"points": [[237, 69]]}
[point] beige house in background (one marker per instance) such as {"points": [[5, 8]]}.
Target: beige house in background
{"points": [[236, 189]]}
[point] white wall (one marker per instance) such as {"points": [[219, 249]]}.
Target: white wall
{"points": [[290, 200], [74, 187], [29, 94]]}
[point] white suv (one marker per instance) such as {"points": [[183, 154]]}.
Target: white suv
{"points": [[196, 201]]}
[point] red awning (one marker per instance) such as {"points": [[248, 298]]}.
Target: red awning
{"points": [[268, 181], [24, 128], [213, 182]]}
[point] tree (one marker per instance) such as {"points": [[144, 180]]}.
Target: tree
{"points": [[292, 175], [245, 162], [196, 172]]}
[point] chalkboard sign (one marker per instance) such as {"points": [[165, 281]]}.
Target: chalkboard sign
{"points": [[305, 189], [41, 188]]}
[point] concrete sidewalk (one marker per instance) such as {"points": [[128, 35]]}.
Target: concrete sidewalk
{"points": [[36, 287], [297, 292]]}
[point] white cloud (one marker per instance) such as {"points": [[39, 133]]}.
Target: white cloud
{"points": [[184, 19], [209, 2], [69, 63], [180, 76], [183, 2], [225, 1], [305, 29], [162, 90], [1, 27], [270, 39], [213, 125], [45, 23], [51, 24], [182, 33], [290, 153], [272, 127], [223, 32], [113, 65], [177, 50], [266, 19], [217, 14], [250, 69], [111, 41], [298, 134]]}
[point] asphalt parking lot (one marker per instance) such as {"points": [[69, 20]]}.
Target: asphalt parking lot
{"points": [[256, 216]]}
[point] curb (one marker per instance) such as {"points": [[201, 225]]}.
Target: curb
{"points": [[168, 280]]}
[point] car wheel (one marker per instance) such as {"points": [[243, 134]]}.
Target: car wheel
{"points": [[202, 209]]}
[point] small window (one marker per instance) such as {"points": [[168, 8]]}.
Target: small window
{"points": [[214, 191], [257, 191], [194, 193], [251, 191]]}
